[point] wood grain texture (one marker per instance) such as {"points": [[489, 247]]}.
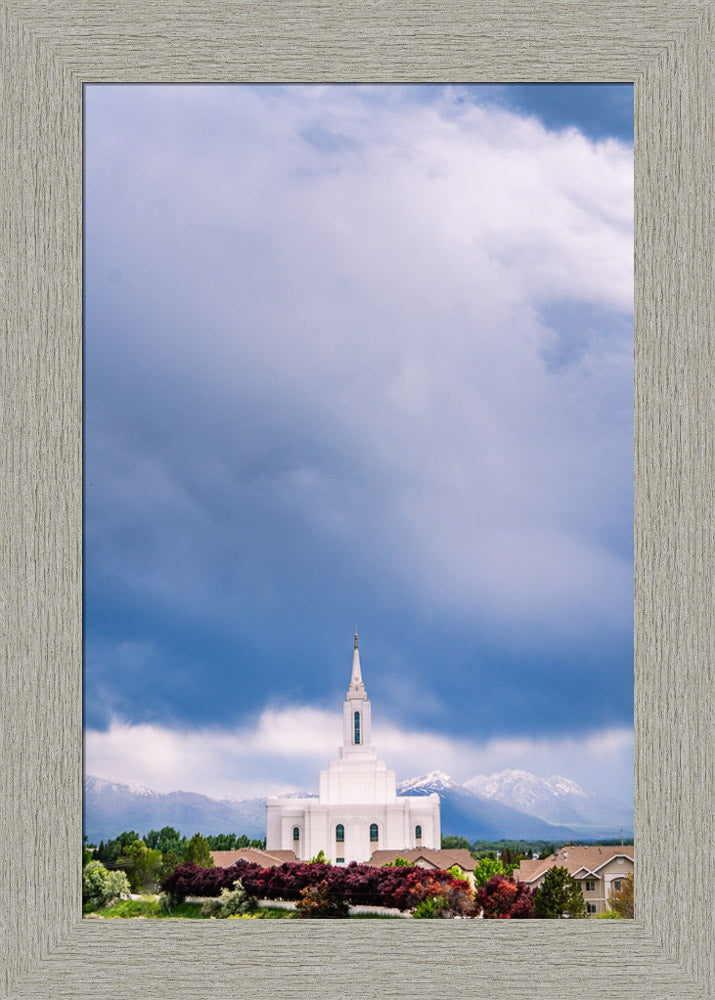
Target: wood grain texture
{"points": [[48, 50]]}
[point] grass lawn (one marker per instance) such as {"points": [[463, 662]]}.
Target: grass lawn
{"points": [[148, 909]]}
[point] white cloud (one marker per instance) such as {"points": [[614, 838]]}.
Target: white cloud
{"points": [[284, 750]]}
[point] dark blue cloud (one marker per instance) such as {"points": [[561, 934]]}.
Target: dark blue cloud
{"points": [[316, 399]]}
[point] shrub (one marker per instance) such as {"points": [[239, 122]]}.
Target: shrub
{"points": [[321, 901], [504, 899], [431, 907], [236, 901], [99, 885], [212, 907], [621, 900]]}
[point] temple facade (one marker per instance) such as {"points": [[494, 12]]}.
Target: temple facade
{"points": [[357, 811]]}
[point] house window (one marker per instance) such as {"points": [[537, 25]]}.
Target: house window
{"points": [[616, 884], [340, 833], [590, 885], [340, 861], [590, 907], [418, 833], [357, 727], [373, 833], [296, 833]]}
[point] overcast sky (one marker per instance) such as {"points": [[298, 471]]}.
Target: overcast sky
{"points": [[358, 356]]}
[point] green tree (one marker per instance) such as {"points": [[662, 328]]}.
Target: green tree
{"points": [[451, 843], [199, 852], [142, 866], [166, 839], [485, 869], [319, 857], [621, 900], [558, 896]]}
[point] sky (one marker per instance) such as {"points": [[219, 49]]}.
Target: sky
{"points": [[358, 356]]}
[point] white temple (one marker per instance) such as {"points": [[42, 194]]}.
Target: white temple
{"points": [[357, 810]]}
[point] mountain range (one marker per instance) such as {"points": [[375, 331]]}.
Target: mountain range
{"points": [[513, 805]]}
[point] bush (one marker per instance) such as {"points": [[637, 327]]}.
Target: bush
{"points": [[212, 907], [321, 901], [504, 899], [100, 886], [431, 907], [236, 901]]}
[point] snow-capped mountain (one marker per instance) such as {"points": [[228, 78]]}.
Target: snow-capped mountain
{"points": [[437, 781], [512, 805], [556, 799], [111, 807], [465, 813]]}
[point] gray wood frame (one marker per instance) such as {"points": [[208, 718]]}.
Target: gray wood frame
{"points": [[48, 50]]}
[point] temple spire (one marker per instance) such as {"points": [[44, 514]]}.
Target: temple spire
{"points": [[357, 688]]}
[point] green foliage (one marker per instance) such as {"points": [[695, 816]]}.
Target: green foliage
{"points": [[235, 901], [397, 863], [559, 895], [608, 915], [142, 865], [99, 886], [486, 869], [547, 851], [166, 840], [431, 907], [198, 852], [321, 901], [456, 872], [319, 858], [232, 842], [452, 843]]}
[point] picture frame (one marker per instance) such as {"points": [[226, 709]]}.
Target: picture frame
{"points": [[49, 51]]}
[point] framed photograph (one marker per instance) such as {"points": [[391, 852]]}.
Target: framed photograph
{"points": [[52, 55]]}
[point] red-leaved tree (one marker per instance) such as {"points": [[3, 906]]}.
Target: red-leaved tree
{"points": [[504, 899]]}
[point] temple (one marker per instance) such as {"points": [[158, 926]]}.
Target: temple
{"points": [[358, 810]]}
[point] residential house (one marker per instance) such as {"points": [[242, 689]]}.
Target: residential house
{"points": [[597, 869]]}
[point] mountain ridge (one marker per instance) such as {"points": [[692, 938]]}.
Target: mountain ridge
{"points": [[481, 808]]}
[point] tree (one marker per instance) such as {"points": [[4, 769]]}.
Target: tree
{"points": [[142, 866], [621, 900], [451, 843], [559, 895], [504, 899], [486, 869], [166, 839], [198, 852]]}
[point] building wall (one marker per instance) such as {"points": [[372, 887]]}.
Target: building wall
{"points": [[317, 824]]}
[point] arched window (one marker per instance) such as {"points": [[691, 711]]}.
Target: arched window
{"points": [[296, 833], [373, 833], [340, 833], [418, 833], [357, 727]]}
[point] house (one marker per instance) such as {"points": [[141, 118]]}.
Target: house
{"points": [[597, 869], [435, 859], [358, 810], [266, 859]]}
